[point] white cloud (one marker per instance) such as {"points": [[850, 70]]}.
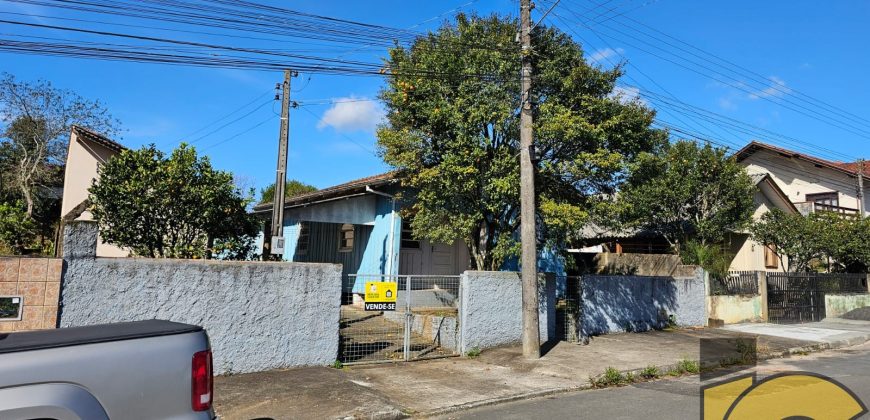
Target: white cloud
{"points": [[627, 94], [605, 54], [352, 114], [727, 103], [777, 88]]}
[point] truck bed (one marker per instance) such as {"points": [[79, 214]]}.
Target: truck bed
{"points": [[65, 337]]}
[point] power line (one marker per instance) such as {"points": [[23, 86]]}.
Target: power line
{"points": [[235, 136], [235, 111]]}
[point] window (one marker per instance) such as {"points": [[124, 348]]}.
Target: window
{"points": [[827, 198], [771, 260], [408, 241], [302, 243], [10, 308], [345, 240]]}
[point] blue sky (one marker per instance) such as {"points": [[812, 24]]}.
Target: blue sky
{"points": [[797, 46]]}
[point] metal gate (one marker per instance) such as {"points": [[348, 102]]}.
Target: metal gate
{"points": [[800, 297], [424, 325]]}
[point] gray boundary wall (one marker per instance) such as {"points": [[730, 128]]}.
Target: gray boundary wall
{"points": [[490, 309], [611, 304], [259, 315]]}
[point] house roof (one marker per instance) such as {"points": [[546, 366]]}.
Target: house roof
{"points": [[93, 136], [356, 186], [847, 168], [760, 179]]}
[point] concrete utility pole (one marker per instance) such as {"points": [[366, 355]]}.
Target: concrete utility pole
{"points": [[861, 209], [281, 173], [528, 237]]}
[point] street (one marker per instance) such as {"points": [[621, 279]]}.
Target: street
{"points": [[676, 398]]}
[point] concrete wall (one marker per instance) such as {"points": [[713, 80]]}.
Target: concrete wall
{"points": [[490, 309], [36, 282], [638, 303], [734, 309], [259, 315], [637, 264], [838, 304]]}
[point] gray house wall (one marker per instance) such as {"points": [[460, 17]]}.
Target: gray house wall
{"points": [[259, 315]]}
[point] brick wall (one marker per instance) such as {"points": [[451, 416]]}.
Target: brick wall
{"points": [[37, 282]]}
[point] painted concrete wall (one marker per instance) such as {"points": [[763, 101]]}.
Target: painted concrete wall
{"points": [[838, 304], [259, 315], [490, 309], [638, 303], [735, 309], [376, 255]]}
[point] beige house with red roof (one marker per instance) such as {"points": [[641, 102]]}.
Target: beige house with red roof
{"points": [[794, 182]]}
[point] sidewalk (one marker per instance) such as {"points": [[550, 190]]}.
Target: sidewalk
{"points": [[439, 386]]}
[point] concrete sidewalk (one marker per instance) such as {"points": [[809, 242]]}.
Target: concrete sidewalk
{"points": [[426, 388]]}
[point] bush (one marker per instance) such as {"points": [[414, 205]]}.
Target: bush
{"points": [[711, 257], [17, 230]]}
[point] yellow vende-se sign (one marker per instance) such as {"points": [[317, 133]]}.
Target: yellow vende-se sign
{"points": [[381, 296]]}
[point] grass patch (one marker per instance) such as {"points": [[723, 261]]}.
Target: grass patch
{"points": [[473, 353], [337, 365], [650, 372], [685, 366], [610, 377]]}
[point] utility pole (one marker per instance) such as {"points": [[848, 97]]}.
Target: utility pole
{"points": [[281, 173], [528, 237], [861, 209]]}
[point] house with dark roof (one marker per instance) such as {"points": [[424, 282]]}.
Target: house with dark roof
{"points": [[86, 151], [795, 182], [358, 224]]}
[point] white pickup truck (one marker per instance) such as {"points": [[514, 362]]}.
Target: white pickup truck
{"points": [[133, 370]]}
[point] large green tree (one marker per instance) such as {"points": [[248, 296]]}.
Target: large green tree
{"points": [[36, 120], [793, 237], [452, 130], [688, 192], [292, 188], [174, 206]]}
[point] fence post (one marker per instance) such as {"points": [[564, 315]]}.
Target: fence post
{"points": [[407, 341], [762, 290]]}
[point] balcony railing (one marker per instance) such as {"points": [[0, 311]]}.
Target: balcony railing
{"points": [[810, 207]]}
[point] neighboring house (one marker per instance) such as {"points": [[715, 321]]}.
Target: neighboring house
{"points": [[358, 225], [87, 150], [748, 254], [794, 182]]}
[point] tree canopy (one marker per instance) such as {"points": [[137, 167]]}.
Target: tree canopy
{"points": [[452, 131], [821, 240], [174, 206], [688, 192], [35, 122], [292, 188]]}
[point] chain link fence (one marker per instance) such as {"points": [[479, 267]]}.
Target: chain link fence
{"points": [[424, 325]]}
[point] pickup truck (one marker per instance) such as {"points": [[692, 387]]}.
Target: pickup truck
{"points": [[132, 370]]}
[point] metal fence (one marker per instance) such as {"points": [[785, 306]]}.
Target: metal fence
{"points": [[735, 283], [568, 310], [800, 297], [424, 325]]}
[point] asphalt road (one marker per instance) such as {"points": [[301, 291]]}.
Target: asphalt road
{"points": [[677, 398]]}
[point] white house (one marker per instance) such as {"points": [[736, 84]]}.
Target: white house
{"points": [[794, 182]]}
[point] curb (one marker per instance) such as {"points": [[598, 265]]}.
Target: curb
{"points": [[501, 400], [833, 345]]}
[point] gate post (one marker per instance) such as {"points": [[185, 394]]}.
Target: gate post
{"points": [[762, 290], [406, 344]]}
